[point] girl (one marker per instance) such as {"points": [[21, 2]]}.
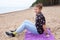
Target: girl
{"points": [[38, 28]]}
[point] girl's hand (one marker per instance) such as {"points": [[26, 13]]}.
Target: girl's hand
{"points": [[47, 35]]}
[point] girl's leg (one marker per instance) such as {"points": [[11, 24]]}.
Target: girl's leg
{"points": [[27, 25]]}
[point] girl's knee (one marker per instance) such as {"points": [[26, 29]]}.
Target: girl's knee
{"points": [[26, 21]]}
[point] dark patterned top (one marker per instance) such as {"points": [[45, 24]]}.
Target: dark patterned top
{"points": [[40, 21]]}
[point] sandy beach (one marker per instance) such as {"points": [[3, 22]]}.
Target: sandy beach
{"points": [[12, 20]]}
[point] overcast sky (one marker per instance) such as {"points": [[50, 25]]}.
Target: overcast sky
{"points": [[11, 5]]}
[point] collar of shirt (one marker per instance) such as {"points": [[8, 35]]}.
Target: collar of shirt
{"points": [[38, 14]]}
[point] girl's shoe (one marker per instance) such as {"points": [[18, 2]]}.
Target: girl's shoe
{"points": [[10, 34]]}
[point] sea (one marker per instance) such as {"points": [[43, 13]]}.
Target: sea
{"points": [[14, 5]]}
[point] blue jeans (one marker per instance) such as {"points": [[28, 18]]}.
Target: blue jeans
{"points": [[27, 25]]}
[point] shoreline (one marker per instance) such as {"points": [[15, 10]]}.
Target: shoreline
{"points": [[25, 9]]}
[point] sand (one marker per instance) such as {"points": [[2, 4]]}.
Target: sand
{"points": [[12, 20]]}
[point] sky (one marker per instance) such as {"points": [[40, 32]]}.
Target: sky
{"points": [[14, 5]]}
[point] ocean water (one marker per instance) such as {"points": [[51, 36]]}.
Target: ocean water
{"points": [[14, 5], [11, 9]]}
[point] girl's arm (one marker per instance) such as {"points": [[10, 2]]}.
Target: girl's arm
{"points": [[44, 26], [45, 30]]}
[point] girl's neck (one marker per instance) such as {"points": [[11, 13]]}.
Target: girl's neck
{"points": [[38, 13]]}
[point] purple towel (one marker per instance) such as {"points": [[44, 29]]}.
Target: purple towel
{"points": [[31, 36]]}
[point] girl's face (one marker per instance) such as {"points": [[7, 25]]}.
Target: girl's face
{"points": [[37, 10]]}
